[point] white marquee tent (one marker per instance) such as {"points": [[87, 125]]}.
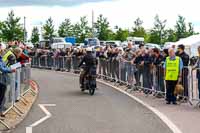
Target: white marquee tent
{"points": [[191, 44]]}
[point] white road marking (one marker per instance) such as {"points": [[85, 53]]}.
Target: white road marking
{"points": [[163, 117], [48, 115]]}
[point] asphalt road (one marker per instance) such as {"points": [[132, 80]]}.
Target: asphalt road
{"points": [[108, 111]]}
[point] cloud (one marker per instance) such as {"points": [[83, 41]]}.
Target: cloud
{"points": [[7, 3], [119, 12]]}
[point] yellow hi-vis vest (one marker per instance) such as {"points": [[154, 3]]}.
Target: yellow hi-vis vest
{"points": [[5, 57], [172, 69]]}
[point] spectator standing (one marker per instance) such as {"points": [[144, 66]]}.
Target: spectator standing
{"points": [[68, 59], [11, 56], [185, 58], [129, 58], [173, 74], [4, 69], [165, 54], [197, 65], [115, 65], [121, 66], [138, 71], [159, 72], [102, 62], [109, 60], [146, 64]]}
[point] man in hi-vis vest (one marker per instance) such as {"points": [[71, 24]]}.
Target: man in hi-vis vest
{"points": [[11, 56], [173, 71]]}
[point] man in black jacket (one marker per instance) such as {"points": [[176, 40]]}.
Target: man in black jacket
{"points": [[90, 63], [185, 58], [159, 71]]}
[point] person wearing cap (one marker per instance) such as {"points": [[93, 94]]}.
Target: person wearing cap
{"points": [[4, 70], [90, 63], [173, 74], [185, 58]]}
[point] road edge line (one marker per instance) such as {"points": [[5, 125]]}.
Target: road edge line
{"points": [[163, 117]]}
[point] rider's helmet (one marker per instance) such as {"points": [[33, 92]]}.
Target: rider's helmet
{"points": [[89, 49]]}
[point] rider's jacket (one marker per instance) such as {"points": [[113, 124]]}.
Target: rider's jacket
{"points": [[89, 60]]}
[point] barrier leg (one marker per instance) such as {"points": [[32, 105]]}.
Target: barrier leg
{"points": [[5, 124]]}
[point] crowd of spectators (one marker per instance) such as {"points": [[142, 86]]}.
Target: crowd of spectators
{"points": [[15, 52]]}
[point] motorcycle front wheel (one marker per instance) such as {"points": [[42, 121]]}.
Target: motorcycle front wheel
{"points": [[91, 91]]}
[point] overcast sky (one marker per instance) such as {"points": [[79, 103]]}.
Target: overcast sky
{"points": [[119, 12]]}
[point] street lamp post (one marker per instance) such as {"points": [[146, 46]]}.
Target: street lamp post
{"points": [[93, 24], [24, 29]]}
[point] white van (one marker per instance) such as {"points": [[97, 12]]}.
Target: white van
{"points": [[113, 43], [136, 40], [60, 43]]}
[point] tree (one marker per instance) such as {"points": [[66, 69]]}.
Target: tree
{"points": [[76, 30], [191, 29], [157, 33], [1, 26], [181, 31], [85, 30], [81, 30], [102, 28], [35, 35], [48, 28], [169, 36], [121, 34], [138, 30], [11, 29], [65, 29]]}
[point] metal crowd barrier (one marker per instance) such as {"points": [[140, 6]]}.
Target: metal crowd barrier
{"points": [[57, 63], [147, 78], [195, 86], [17, 85]]}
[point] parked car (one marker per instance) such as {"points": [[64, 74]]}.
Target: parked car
{"points": [[92, 42], [113, 43], [60, 43], [44, 44], [152, 45], [136, 40]]}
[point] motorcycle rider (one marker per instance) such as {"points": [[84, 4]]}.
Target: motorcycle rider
{"points": [[90, 64]]}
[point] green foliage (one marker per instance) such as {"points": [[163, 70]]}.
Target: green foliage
{"points": [[1, 26], [81, 30], [65, 29], [121, 34], [138, 30], [102, 28], [180, 27], [35, 35], [48, 29], [191, 29], [11, 29], [157, 33], [86, 31], [169, 36]]}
